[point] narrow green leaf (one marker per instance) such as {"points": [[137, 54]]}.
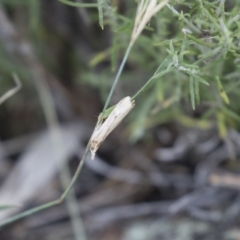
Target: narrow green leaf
{"points": [[156, 76], [100, 13], [200, 42], [99, 57], [209, 113], [171, 46], [231, 114], [221, 91], [235, 54], [211, 55], [75, 4], [222, 129], [178, 89], [192, 94], [200, 79], [166, 42], [162, 70], [182, 51], [164, 65], [232, 86], [196, 88]]}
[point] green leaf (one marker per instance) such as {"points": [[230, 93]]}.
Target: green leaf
{"points": [[164, 65], [166, 42], [171, 46], [75, 4], [192, 93], [222, 129], [199, 41], [162, 70], [196, 87], [200, 79], [183, 47], [100, 13], [221, 91], [99, 57], [211, 55], [231, 114]]}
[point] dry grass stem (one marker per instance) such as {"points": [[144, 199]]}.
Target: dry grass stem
{"points": [[12, 91], [145, 11]]}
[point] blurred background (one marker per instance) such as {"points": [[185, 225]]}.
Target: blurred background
{"points": [[167, 172]]}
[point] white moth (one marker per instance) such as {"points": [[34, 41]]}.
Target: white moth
{"points": [[104, 129]]}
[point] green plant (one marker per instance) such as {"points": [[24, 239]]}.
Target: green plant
{"points": [[194, 45]]}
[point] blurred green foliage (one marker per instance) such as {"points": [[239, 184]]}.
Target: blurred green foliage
{"points": [[194, 45], [186, 60]]}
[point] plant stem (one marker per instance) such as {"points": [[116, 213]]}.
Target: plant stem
{"points": [[29, 212], [81, 163], [117, 77], [52, 203], [76, 174], [59, 200]]}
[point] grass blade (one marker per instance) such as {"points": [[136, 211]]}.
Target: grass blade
{"points": [[75, 4], [192, 93], [100, 13]]}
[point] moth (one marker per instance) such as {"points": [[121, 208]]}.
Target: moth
{"points": [[105, 128]]}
